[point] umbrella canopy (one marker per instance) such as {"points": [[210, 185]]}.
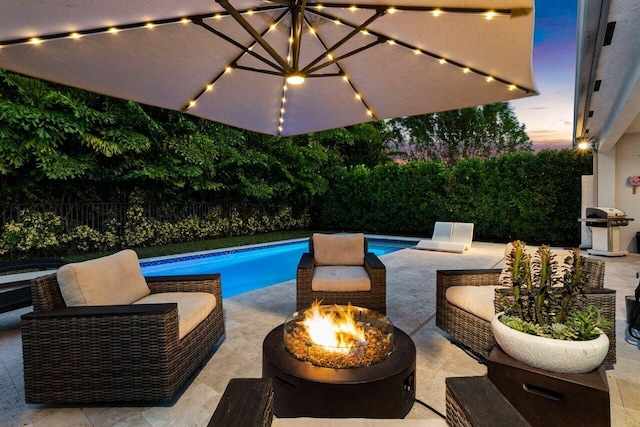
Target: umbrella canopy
{"points": [[281, 67]]}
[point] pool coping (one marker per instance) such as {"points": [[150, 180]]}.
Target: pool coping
{"points": [[168, 259]]}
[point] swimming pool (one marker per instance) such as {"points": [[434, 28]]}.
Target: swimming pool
{"points": [[245, 269]]}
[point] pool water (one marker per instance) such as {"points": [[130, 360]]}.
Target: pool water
{"points": [[246, 269]]}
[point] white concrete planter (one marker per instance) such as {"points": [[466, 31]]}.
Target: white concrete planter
{"points": [[575, 357]]}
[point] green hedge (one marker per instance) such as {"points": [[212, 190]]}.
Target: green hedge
{"points": [[42, 235], [532, 197]]}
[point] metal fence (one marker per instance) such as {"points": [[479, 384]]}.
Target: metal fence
{"points": [[96, 215]]}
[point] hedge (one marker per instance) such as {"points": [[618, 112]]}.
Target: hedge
{"points": [[526, 196]]}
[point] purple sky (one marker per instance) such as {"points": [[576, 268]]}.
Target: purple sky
{"points": [[548, 117]]}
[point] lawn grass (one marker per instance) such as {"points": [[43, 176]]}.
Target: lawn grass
{"points": [[202, 245]]}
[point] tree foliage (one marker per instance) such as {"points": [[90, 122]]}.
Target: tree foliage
{"points": [[484, 132], [59, 143]]}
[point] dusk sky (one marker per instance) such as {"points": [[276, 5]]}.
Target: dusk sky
{"points": [[548, 117]]}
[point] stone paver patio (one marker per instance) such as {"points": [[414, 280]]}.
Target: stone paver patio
{"points": [[411, 276]]}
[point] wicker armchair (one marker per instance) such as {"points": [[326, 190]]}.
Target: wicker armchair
{"points": [[374, 299], [475, 333], [114, 353]]}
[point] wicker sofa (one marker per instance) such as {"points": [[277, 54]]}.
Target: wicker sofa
{"points": [[340, 251], [474, 332], [115, 353]]}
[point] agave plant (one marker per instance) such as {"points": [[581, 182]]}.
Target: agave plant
{"points": [[543, 301]]}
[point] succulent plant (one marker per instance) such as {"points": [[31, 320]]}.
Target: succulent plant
{"points": [[543, 301]]}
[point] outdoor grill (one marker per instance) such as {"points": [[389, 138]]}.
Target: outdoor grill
{"points": [[605, 223]]}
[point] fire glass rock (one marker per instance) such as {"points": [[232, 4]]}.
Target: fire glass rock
{"points": [[374, 345]]}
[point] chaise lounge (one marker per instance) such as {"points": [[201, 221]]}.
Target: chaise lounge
{"points": [[449, 237], [101, 332]]}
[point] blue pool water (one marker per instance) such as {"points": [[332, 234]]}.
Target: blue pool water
{"points": [[246, 269]]}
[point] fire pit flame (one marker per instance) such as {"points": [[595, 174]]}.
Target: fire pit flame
{"points": [[335, 330], [338, 336]]}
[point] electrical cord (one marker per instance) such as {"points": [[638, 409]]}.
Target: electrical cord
{"points": [[430, 408]]}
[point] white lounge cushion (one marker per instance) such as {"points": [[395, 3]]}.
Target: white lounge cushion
{"points": [[111, 280], [449, 237], [477, 300], [338, 249], [356, 422], [430, 245], [340, 279], [193, 307], [442, 231], [462, 233]]}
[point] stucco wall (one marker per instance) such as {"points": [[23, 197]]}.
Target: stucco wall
{"points": [[627, 154]]}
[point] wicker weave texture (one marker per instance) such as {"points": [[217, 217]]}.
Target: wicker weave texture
{"points": [[375, 299], [475, 333], [455, 416], [86, 354]]}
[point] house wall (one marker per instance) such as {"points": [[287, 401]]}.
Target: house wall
{"points": [[627, 163]]}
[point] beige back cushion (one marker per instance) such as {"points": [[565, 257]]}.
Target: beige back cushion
{"points": [[338, 249], [114, 279]]}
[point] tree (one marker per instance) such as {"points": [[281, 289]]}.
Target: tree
{"points": [[59, 143], [362, 144], [485, 132]]}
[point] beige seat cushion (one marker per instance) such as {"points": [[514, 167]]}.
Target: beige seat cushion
{"points": [[340, 279], [477, 300], [110, 280], [193, 307], [338, 249], [356, 422]]}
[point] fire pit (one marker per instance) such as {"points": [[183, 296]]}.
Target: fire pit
{"points": [[363, 367], [338, 336]]}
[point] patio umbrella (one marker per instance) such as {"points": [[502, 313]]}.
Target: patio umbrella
{"points": [[281, 67]]}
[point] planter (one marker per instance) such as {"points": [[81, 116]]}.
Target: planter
{"points": [[572, 357]]}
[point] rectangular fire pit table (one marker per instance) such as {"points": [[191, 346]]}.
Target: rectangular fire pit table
{"points": [[382, 390]]}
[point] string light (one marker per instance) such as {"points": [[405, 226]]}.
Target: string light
{"points": [[437, 12], [392, 10], [466, 70], [490, 15], [228, 69], [442, 61], [35, 40], [209, 87], [391, 42], [489, 79], [185, 20], [417, 51], [149, 25], [75, 36], [513, 87], [192, 103], [113, 30], [353, 8]]}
